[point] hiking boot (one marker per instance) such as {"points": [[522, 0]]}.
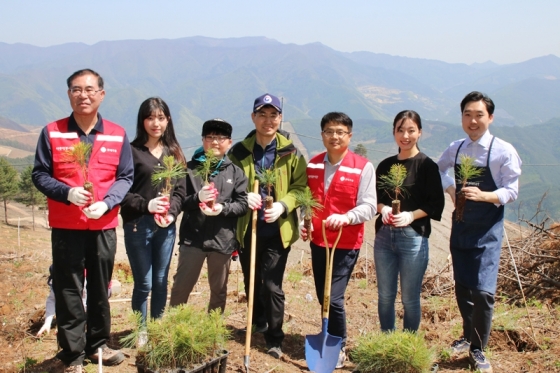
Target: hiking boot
{"points": [[74, 369], [479, 361], [460, 346], [109, 357], [275, 352], [256, 328], [341, 358]]}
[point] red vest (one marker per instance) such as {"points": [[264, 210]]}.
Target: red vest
{"points": [[102, 171], [341, 197]]}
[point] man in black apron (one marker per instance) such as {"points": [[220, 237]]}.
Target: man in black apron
{"points": [[476, 237]]}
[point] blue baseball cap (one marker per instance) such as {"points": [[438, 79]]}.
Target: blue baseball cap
{"points": [[266, 100]]}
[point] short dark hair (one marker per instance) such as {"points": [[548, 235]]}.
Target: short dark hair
{"points": [[475, 96], [85, 72], [337, 117]]}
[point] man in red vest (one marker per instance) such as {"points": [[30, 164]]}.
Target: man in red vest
{"points": [[83, 221], [344, 183]]}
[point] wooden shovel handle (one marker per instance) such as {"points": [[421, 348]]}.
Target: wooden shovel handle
{"points": [[329, 258], [250, 295]]}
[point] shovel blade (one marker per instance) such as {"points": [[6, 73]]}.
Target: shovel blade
{"points": [[322, 350]]}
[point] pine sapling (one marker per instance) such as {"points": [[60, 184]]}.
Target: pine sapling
{"points": [[167, 173], [268, 178], [309, 205], [79, 155], [393, 182], [467, 171], [205, 169]]}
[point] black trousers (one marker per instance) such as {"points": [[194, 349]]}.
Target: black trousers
{"points": [[343, 265], [477, 308], [270, 264], [81, 333]]}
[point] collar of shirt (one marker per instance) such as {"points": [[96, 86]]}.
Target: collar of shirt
{"points": [[483, 141], [326, 160], [73, 125]]}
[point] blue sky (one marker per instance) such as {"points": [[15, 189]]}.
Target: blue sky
{"points": [[503, 31]]}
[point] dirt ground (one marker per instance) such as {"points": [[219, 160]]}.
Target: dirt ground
{"points": [[25, 257]]}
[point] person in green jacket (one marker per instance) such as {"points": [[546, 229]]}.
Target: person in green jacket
{"points": [[268, 148]]}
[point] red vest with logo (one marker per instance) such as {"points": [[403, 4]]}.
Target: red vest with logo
{"points": [[101, 170], [341, 197]]}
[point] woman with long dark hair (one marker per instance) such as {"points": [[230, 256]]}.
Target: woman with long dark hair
{"points": [[148, 216], [401, 240]]}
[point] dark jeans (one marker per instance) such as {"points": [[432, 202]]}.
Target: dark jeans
{"points": [[477, 308], [343, 265], [81, 333], [149, 251], [270, 264]]}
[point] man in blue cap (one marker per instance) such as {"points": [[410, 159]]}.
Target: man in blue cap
{"points": [[268, 148]]}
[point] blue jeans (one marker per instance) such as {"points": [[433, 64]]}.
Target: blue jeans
{"points": [[149, 252], [400, 250]]}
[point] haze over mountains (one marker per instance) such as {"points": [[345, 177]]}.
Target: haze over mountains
{"points": [[203, 78]]}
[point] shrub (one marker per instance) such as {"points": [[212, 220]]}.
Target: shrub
{"points": [[398, 352], [182, 338]]}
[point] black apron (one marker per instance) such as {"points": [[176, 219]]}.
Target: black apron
{"points": [[476, 242]]}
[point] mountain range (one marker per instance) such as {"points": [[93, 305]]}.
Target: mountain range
{"points": [[203, 78]]}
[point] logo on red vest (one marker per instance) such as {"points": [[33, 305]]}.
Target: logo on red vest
{"points": [[342, 178], [104, 149]]}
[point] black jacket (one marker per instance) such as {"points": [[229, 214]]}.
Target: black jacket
{"points": [[214, 233]]}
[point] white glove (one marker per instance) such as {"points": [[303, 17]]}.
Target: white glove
{"points": [[336, 221], [96, 210], [164, 221], [387, 215], [272, 214], [303, 232], [79, 196], [158, 205], [46, 326], [215, 210], [254, 200], [207, 193], [403, 219]]}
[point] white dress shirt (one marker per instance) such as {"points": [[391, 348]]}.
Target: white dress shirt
{"points": [[505, 164]]}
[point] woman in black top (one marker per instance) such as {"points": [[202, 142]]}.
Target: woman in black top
{"points": [[401, 240], [148, 217]]}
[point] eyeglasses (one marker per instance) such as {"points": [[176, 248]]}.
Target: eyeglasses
{"points": [[330, 133], [90, 92], [212, 138]]}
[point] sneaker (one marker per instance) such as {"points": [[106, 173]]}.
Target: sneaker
{"points": [[460, 346], [256, 329], [479, 361], [341, 358], [275, 352], [74, 369], [142, 339], [109, 357]]}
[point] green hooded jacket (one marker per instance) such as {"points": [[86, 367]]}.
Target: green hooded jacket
{"points": [[292, 176]]}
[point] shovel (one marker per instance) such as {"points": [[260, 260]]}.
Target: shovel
{"points": [[321, 350], [251, 296]]}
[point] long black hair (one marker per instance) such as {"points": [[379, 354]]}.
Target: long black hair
{"points": [[168, 139]]}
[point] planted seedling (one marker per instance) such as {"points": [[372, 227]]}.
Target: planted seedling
{"points": [[79, 155], [205, 169], [268, 177], [309, 205], [393, 182], [169, 171], [466, 171]]}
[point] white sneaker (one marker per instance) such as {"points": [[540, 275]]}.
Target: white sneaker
{"points": [[341, 358], [142, 339]]}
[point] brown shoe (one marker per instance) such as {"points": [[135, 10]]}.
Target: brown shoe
{"points": [[109, 357], [74, 369]]}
